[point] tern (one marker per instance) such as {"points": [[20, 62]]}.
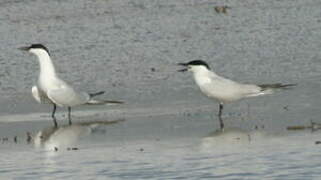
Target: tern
{"points": [[51, 89], [225, 90]]}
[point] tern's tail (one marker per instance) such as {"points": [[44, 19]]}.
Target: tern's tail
{"points": [[265, 87], [100, 102]]}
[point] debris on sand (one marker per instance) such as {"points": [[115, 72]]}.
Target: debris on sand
{"points": [[221, 9], [313, 126], [296, 127], [256, 127], [5, 139]]}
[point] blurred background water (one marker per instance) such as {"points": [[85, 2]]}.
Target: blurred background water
{"points": [[130, 49]]}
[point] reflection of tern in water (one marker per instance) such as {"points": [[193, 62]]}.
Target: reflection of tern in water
{"points": [[229, 135], [232, 138], [55, 138]]}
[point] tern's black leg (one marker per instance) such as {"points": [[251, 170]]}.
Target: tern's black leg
{"points": [[220, 116], [53, 115], [69, 115]]}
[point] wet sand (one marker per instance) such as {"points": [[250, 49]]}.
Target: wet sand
{"points": [[130, 50]]}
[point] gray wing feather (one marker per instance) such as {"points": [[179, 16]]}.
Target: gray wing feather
{"points": [[68, 97]]}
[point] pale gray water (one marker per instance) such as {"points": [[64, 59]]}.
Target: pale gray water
{"points": [[130, 48], [164, 147]]}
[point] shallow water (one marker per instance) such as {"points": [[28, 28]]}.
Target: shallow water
{"points": [[166, 129], [160, 147]]}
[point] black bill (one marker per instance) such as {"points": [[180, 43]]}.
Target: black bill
{"points": [[185, 67], [24, 48]]}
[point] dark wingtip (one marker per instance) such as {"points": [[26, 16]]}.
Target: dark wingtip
{"points": [[96, 94], [114, 102], [288, 86], [277, 86]]}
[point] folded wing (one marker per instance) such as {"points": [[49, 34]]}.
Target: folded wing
{"points": [[67, 96]]}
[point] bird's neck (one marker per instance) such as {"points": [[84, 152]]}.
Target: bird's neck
{"points": [[203, 76], [46, 66]]}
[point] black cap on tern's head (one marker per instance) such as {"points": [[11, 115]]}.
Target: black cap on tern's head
{"points": [[198, 63], [35, 46], [193, 63]]}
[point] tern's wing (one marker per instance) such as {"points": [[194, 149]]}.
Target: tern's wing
{"points": [[39, 96], [67, 96], [226, 90], [239, 90]]}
